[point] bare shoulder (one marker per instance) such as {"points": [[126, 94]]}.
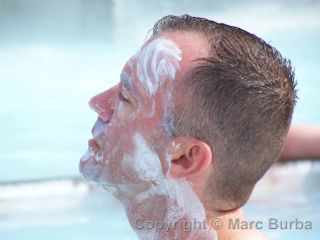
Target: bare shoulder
{"points": [[253, 234], [249, 234]]}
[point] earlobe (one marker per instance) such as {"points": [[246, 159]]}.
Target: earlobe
{"points": [[192, 158]]}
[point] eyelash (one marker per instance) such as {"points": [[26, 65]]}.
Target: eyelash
{"points": [[122, 98]]}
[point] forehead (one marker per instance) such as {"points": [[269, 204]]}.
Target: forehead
{"points": [[164, 58], [156, 62]]}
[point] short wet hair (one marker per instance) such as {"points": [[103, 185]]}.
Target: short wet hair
{"points": [[239, 100]]}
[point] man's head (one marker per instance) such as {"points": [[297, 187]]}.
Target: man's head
{"points": [[199, 100], [239, 100]]}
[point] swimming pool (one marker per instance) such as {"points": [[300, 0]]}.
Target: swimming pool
{"points": [[73, 209]]}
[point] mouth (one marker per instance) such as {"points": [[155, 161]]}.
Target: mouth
{"points": [[95, 149], [99, 134], [94, 152], [90, 160], [93, 146]]}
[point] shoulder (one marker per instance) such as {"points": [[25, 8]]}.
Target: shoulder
{"points": [[252, 234]]}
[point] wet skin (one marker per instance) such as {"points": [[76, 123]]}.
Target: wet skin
{"points": [[131, 146]]}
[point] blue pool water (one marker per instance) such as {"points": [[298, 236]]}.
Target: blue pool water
{"points": [[72, 209]]}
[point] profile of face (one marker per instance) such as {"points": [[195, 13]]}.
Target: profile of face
{"points": [[131, 149], [131, 133]]}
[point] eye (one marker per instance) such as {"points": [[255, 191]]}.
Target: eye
{"points": [[122, 98]]}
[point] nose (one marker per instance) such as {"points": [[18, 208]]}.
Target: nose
{"points": [[103, 103]]}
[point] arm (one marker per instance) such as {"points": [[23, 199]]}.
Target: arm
{"points": [[303, 142]]}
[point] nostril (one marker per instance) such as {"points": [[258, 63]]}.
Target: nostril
{"points": [[106, 114], [96, 106]]}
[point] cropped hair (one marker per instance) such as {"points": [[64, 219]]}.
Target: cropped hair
{"points": [[239, 100]]}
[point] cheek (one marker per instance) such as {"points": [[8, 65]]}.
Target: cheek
{"points": [[118, 135], [121, 111], [143, 163], [115, 151], [128, 156]]}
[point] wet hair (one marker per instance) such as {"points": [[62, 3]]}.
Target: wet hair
{"points": [[239, 100]]}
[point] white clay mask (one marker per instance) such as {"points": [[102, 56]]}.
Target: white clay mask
{"points": [[144, 189], [157, 61]]}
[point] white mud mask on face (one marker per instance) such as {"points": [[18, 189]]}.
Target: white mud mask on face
{"points": [[157, 62], [148, 194]]}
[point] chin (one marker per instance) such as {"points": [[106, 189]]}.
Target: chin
{"points": [[93, 171], [89, 168]]}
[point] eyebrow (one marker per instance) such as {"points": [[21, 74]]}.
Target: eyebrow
{"points": [[127, 83]]}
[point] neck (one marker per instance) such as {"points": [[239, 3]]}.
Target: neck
{"points": [[167, 210], [220, 221]]}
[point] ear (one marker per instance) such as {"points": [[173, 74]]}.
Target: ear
{"points": [[189, 157]]}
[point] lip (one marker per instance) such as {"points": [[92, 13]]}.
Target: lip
{"points": [[89, 158], [99, 132], [93, 145]]}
